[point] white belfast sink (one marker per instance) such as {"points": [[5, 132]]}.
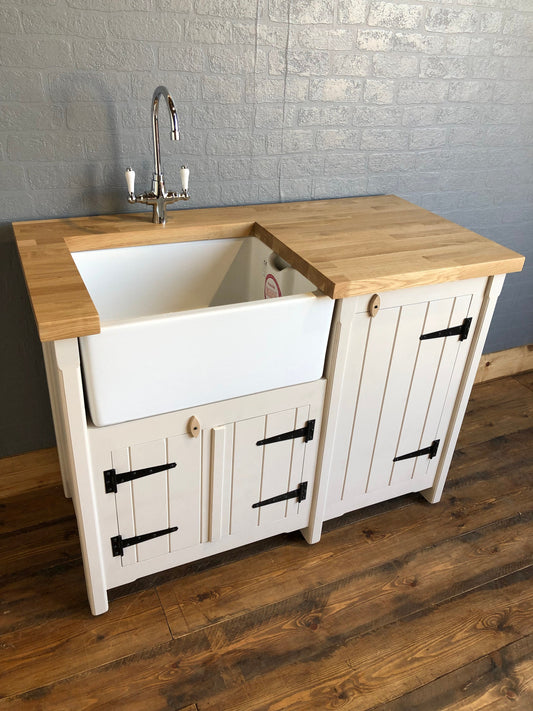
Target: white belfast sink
{"points": [[189, 323]]}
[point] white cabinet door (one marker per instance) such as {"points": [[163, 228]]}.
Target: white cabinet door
{"points": [[166, 497], [396, 390], [151, 498], [263, 473]]}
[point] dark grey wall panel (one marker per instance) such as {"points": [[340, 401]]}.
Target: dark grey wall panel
{"points": [[25, 419]]}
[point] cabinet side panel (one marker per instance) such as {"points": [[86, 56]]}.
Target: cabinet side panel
{"points": [[64, 447]]}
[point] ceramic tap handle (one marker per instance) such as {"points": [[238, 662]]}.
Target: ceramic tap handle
{"points": [[130, 180], [184, 173]]}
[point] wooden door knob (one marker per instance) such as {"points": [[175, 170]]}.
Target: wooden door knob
{"points": [[193, 427]]}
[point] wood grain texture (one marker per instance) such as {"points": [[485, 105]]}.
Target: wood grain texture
{"points": [[202, 600], [500, 680], [402, 606], [80, 642], [363, 671], [59, 298], [503, 363], [525, 379], [22, 473], [18, 512], [496, 408], [346, 246]]}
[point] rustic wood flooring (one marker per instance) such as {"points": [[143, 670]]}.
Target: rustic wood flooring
{"points": [[402, 606]]}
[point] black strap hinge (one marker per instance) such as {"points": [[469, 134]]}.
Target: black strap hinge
{"points": [[461, 331], [118, 543], [112, 479], [307, 432], [431, 451], [299, 494]]}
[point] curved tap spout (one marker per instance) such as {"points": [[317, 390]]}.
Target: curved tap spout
{"points": [[158, 197], [174, 133]]}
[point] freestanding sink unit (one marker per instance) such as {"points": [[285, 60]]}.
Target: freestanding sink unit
{"points": [[208, 358], [189, 323]]}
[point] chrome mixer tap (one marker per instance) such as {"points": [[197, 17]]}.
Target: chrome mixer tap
{"points": [[159, 197]]}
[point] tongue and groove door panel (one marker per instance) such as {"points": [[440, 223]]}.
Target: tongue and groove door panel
{"points": [[162, 500], [259, 472], [394, 392], [429, 390], [169, 494]]}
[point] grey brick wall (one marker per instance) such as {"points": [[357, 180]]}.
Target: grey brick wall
{"points": [[279, 100]]}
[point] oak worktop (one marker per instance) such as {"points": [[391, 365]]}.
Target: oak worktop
{"points": [[345, 246]]}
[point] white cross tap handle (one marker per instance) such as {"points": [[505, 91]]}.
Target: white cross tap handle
{"points": [[130, 180], [184, 173]]}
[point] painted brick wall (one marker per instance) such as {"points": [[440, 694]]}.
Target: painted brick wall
{"points": [[278, 101]]}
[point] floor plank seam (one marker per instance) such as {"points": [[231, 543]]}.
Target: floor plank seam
{"points": [[171, 636], [517, 376], [390, 705]]}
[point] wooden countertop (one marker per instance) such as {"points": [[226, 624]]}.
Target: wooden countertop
{"points": [[344, 246]]}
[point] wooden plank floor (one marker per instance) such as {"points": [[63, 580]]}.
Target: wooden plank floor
{"points": [[402, 606]]}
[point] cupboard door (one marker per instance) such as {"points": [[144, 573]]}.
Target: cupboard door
{"points": [[421, 421], [391, 404], [203, 481], [245, 483], [161, 500]]}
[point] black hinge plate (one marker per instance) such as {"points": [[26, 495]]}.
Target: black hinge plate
{"points": [[112, 479], [431, 451], [118, 543], [307, 432], [300, 494], [461, 331]]}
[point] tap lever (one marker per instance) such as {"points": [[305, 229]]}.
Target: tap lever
{"points": [[130, 180], [184, 174]]}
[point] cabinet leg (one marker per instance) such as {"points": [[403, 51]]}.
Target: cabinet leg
{"points": [[81, 485], [56, 403], [431, 495], [312, 533], [97, 595]]}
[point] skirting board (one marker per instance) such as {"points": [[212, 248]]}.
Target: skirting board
{"points": [[508, 362]]}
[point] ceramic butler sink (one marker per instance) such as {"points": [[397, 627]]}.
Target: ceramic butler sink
{"points": [[189, 323]]}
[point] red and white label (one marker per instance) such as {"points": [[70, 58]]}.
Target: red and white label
{"points": [[272, 288]]}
